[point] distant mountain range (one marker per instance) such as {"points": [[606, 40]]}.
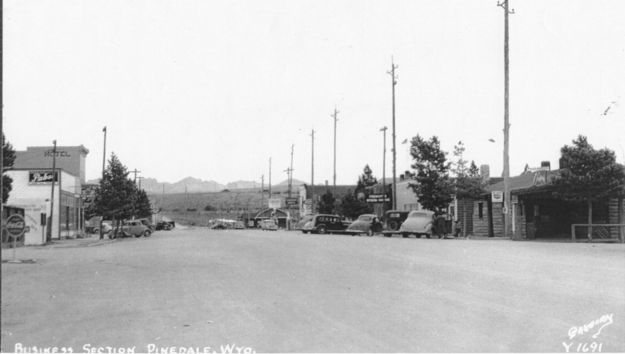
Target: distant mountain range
{"points": [[196, 185]]}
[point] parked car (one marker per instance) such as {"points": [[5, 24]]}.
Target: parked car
{"points": [[325, 223], [394, 218], [367, 224], [418, 222], [133, 228], [165, 225], [268, 224], [300, 224]]}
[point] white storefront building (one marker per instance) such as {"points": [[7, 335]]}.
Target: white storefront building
{"points": [[32, 176]]}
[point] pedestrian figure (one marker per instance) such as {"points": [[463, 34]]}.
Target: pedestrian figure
{"points": [[440, 226], [376, 226]]}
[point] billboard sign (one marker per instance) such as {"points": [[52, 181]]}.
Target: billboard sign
{"points": [[291, 202], [378, 198], [42, 177], [497, 196], [275, 203]]}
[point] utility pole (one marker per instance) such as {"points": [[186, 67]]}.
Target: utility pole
{"points": [[140, 178], [102, 180], [383, 130], [334, 173], [312, 174], [289, 172], [135, 172], [104, 155], [393, 83], [270, 178], [507, 202], [49, 235]]}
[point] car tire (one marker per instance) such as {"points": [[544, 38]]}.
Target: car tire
{"points": [[370, 233], [388, 235], [147, 233], [418, 235], [404, 235], [322, 229], [393, 225], [138, 235]]}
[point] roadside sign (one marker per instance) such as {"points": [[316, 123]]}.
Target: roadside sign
{"points": [[497, 196], [15, 225], [275, 203], [378, 198], [291, 201]]}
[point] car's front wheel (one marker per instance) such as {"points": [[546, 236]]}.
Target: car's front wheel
{"points": [[147, 233], [322, 229]]}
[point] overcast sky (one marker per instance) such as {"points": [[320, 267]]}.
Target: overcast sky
{"points": [[212, 89]]}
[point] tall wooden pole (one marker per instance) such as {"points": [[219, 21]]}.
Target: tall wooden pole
{"points": [[51, 223], [383, 130], [506, 127], [393, 84], [269, 178]]}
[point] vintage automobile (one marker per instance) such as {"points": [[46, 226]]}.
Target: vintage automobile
{"points": [[418, 222], [165, 225], [268, 224], [366, 224], [325, 223], [132, 228], [303, 221], [394, 218]]}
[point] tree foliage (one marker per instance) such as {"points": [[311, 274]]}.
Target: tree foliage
{"points": [[8, 155], [352, 207], [117, 196], [143, 207], [468, 183], [432, 183], [588, 173], [366, 182], [326, 204]]}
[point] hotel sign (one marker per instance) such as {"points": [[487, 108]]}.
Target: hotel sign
{"points": [[42, 177]]}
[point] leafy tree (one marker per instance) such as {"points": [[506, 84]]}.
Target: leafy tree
{"points": [[588, 174], [8, 158], [117, 194], [143, 207], [433, 186], [468, 183], [352, 207], [366, 181], [326, 204]]}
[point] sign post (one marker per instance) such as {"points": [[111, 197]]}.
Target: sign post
{"points": [[15, 226]]}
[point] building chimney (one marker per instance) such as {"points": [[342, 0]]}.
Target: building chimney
{"points": [[546, 165]]}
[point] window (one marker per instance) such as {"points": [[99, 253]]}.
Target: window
{"points": [[480, 212]]}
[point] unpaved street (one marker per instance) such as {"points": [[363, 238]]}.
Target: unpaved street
{"points": [[289, 292]]}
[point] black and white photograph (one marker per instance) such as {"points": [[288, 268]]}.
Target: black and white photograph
{"points": [[312, 176]]}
